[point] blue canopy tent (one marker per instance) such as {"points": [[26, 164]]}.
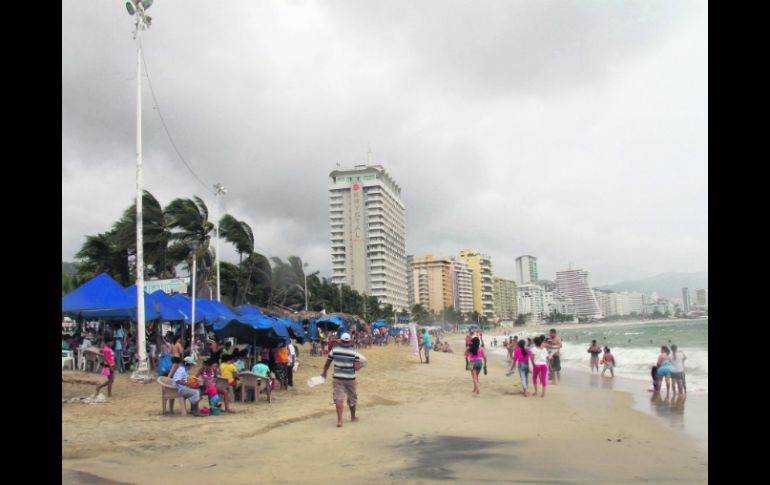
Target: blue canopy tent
{"points": [[210, 314], [311, 330], [186, 306], [247, 309], [150, 311], [100, 297], [170, 309], [379, 323], [260, 330], [223, 310], [332, 323], [294, 328]]}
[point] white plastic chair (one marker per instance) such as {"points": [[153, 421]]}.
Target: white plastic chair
{"points": [[81, 360], [67, 356]]}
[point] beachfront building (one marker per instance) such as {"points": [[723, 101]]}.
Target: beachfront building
{"points": [[573, 284], [506, 306], [635, 302], [530, 300], [483, 290], [603, 299], [526, 270], [433, 283], [462, 278], [661, 305], [410, 281], [368, 233], [554, 302], [702, 297], [686, 299]]}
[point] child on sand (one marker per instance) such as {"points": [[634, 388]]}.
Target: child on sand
{"points": [[609, 362], [108, 366], [228, 370]]}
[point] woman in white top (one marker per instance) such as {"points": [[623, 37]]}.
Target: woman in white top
{"points": [[539, 360]]}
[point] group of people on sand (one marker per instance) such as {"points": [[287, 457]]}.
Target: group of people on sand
{"points": [[540, 357], [275, 365]]}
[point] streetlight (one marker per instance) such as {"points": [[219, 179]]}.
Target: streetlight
{"points": [[193, 245], [138, 8], [219, 189]]}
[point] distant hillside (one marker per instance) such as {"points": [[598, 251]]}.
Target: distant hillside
{"points": [[68, 268], [667, 285]]}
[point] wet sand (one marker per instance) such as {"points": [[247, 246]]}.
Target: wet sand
{"points": [[419, 423]]}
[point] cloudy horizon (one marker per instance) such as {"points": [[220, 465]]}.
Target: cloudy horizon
{"points": [[573, 131]]}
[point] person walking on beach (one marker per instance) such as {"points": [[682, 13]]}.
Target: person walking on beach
{"points": [[522, 356], [427, 345], [475, 356], [609, 362], [539, 359], [108, 366], [346, 362], [676, 360], [556, 345], [594, 350], [282, 366]]}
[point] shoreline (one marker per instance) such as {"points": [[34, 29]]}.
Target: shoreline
{"points": [[572, 326], [668, 411]]}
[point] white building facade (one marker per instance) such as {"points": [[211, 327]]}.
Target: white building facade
{"points": [[573, 284], [368, 233], [526, 270]]}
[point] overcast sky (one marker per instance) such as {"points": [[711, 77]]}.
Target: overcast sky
{"points": [[572, 131]]}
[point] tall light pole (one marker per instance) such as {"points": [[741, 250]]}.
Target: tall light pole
{"points": [[193, 245], [137, 8], [305, 274], [305, 265], [219, 189]]}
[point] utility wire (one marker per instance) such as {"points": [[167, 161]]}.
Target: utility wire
{"points": [[165, 127]]}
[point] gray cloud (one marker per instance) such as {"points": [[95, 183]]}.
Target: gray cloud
{"points": [[575, 131]]}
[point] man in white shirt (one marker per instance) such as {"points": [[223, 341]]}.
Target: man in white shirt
{"points": [[181, 377], [676, 359]]}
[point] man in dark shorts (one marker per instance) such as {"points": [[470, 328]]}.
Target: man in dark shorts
{"points": [[176, 356], [346, 363], [555, 346]]}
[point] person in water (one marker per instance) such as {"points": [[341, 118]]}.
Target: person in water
{"points": [[594, 350]]}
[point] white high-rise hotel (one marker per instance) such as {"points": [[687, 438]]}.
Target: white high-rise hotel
{"points": [[573, 284], [368, 233]]}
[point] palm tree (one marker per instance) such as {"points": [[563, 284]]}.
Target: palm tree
{"points": [[190, 219], [159, 260], [101, 254]]}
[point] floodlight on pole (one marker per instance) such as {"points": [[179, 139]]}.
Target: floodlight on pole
{"points": [[137, 9], [219, 189]]}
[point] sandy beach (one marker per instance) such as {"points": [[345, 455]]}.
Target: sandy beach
{"points": [[419, 424]]}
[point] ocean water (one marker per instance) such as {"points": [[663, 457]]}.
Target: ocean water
{"points": [[635, 346]]}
